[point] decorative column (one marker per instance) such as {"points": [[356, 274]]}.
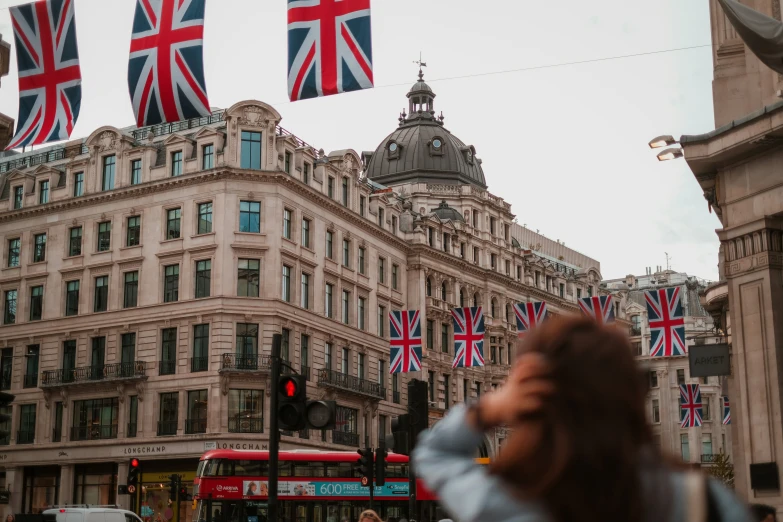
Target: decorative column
{"points": [[65, 495]]}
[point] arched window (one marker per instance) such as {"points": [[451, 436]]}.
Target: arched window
{"points": [[443, 291], [493, 307], [475, 300], [429, 287], [461, 298]]}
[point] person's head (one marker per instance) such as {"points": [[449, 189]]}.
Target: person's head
{"points": [[9, 518], [369, 516], [764, 513], [585, 442]]}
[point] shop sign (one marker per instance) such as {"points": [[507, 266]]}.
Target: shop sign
{"points": [[164, 476], [143, 450], [709, 360], [254, 446]]}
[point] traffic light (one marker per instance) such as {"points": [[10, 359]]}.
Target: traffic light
{"points": [[401, 427], [321, 415], [134, 469], [183, 492], [292, 402], [419, 410], [366, 464], [380, 466], [5, 402], [174, 488]]}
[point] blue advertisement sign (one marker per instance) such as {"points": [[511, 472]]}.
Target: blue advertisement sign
{"points": [[295, 488]]}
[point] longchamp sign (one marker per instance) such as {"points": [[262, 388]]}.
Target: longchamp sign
{"points": [[709, 360]]}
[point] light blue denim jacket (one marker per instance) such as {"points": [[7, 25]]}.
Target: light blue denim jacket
{"points": [[444, 459]]}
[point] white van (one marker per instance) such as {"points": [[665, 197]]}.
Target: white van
{"points": [[92, 514]]}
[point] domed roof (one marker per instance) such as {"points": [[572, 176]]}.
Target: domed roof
{"points": [[423, 150], [444, 212]]}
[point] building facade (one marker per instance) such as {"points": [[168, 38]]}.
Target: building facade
{"points": [[737, 167], [697, 446], [144, 272]]}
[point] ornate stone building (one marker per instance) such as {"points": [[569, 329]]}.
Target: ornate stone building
{"points": [[144, 272]]}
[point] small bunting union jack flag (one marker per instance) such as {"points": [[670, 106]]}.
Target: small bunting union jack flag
{"points": [[667, 322], [601, 308], [690, 406], [405, 332], [529, 315], [726, 410], [50, 78], [468, 337]]}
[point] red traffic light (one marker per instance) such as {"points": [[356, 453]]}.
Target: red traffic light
{"points": [[289, 388], [134, 463]]}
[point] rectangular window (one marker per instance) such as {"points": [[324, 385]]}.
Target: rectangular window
{"points": [[250, 216], [14, 249], [430, 236], [203, 278], [346, 306], [171, 284], [101, 294], [75, 242], [173, 222], [95, 419], [306, 173], [128, 353], [382, 321], [6, 367], [492, 222], [57, 430], [382, 373], [197, 412], [246, 411], [306, 233], [205, 218], [519, 272], [135, 172], [493, 261], [247, 344], [382, 270], [69, 357], [346, 253], [656, 411], [508, 268], [362, 205], [39, 248], [362, 253], [9, 310], [304, 355], [169, 414], [396, 388], [361, 312], [285, 345], [444, 338], [133, 234], [104, 236], [475, 255], [251, 150], [681, 376], [653, 379], [18, 197], [360, 368], [578, 293], [248, 277], [72, 298], [381, 218], [330, 187], [705, 407], [78, 184], [43, 192], [200, 361], [465, 396], [109, 170], [431, 385], [328, 356], [430, 334], [562, 290], [176, 163], [133, 417], [446, 241], [345, 192], [36, 303], [395, 275], [168, 351], [446, 392], [329, 244], [329, 301], [130, 297], [207, 157], [26, 434], [304, 300], [287, 162], [287, 223], [344, 361], [706, 447], [394, 226], [286, 284], [684, 447]]}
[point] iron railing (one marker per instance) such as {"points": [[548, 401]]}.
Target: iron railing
{"points": [[708, 458], [345, 438], [167, 428], [249, 425], [195, 426], [351, 383], [128, 370], [170, 128], [199, 364], [249, 363], [93, 432], [167, 367], [25, 436], [44, 157]]}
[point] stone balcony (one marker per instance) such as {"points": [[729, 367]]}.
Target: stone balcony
{"points": [[90, 375], [351, 384], [245, 364]]}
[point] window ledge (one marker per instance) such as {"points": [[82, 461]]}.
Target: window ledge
{"points": [[250, 234], [101, 252], [173, 240], [289, 242], [205, 234], [8, 268], [131, 247], [69, 258], [309, 249]]}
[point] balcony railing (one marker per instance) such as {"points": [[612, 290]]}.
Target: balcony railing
{"points": [[195, 426], [345, 438], [131, 431], [199, 364], [708, 458], [130, 370], [246, 425], [167, 428], [31, 380], [167, 367], [94, 432], [350, 383], [25, 436], [245, 363]]}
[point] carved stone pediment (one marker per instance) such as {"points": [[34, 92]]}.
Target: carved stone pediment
{"points": [[107, 141]]}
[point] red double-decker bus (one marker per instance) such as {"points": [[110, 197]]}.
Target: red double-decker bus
{"points": [[313, 486]]}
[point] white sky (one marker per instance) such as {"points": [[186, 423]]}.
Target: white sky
{"points": [[567, 146]]}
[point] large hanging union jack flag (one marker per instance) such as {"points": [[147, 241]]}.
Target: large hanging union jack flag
{"points": [[50, 80], [329, 47], [166, 66], [529, 315], [667, 323], [690, 406], [598, 307], [726, 410], [468, 337], [405, 331]]}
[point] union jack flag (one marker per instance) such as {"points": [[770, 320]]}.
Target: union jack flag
{"points": [[50, 79], [405, 331], [529, 315], [667, 323], [600, 308], [166, 66], [329, 47], [468, 337], [726, 410], [690, 406]]}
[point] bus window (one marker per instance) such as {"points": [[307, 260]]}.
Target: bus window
{"points": [[251, 468], [308, 469], [201, 465], [397, 470], [284, 469], [211, 467], [225, 468]]}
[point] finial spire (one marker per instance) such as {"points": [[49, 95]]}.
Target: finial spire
{"points": [[421, 64]]}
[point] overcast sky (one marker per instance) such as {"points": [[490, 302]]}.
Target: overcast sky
{"points": [[567, 146]]}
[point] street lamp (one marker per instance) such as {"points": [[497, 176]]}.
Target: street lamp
{"points": [[669, 154], [662, 141]]}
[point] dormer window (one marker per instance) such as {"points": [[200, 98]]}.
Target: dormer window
{"points": [[394, 150], [436, 146], [43, 192], [176, 163], [18, 197]]}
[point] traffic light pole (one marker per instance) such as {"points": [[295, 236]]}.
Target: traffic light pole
{"points": [[372, 494], [274, 433]]}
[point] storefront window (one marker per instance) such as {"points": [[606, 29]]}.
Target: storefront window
{"points": [[41, 485], [95, 484]]}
